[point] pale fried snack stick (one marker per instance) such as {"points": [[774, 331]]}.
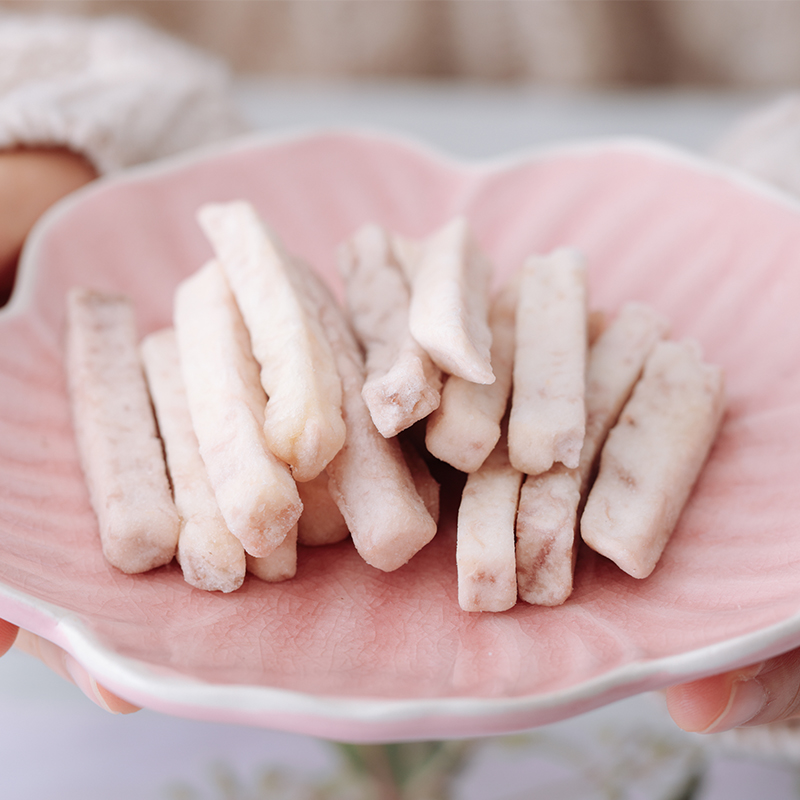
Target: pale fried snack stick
{"points": [[615, 362], [548, 415], [450, 279], [303, 425], [211, 557], [321, 522], [466, 426], [653, 456], [280, 564], [546, 547], [427, 486], [402, 384], [485, 559], [550, 503], [369, 479], [115, 429], [255, 490]]}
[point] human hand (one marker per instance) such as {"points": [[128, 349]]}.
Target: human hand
{"points": [[63, 664], [768, 691], [31, 180]]}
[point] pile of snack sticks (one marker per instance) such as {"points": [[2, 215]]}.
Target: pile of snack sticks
{"points": [[269, 415]]}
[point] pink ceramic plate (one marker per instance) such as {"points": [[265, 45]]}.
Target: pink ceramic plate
{"points": [[344, 651]]}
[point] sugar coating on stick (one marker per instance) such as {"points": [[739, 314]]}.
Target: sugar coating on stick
{"points": [[210, 556], [280, 565], [548, 415], [118, 443], [321, 522], [465, 427], [616, 359], [653, 456], [369, 479], [255, 491], [485, 558], [402, 383], [547, 535], [450, 279], [546, 540], [303, 422]]}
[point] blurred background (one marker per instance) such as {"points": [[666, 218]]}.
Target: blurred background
{"points": [[484, 77], [559, 43]]}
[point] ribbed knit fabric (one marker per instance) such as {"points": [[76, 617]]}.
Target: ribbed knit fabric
{"points": [[111, 89]]}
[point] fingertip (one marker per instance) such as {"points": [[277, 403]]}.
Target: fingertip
{"points": [[62, 663], [697, 706], [94, 691], [720, 702], [8, 635], [113, 703]]}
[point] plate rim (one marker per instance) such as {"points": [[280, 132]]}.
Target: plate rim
{"points": [[656, 148], [368, 718]]}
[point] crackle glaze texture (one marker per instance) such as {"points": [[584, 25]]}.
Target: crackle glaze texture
{"points": [[346, 651]]}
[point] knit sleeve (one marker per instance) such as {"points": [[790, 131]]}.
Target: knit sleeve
{"points": [[766, 143], [111, 89]]}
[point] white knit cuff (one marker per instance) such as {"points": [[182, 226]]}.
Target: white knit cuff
{"points": [[111, 89]]}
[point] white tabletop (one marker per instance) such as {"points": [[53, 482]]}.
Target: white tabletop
{"points": [[56, 744]]}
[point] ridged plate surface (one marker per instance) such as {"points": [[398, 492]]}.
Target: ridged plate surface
{"points": [[344, 651]]}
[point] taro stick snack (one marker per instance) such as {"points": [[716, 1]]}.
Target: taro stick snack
{"points": [[297, 427]]}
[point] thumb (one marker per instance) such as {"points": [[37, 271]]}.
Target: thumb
{"points": [[765, 692]]}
